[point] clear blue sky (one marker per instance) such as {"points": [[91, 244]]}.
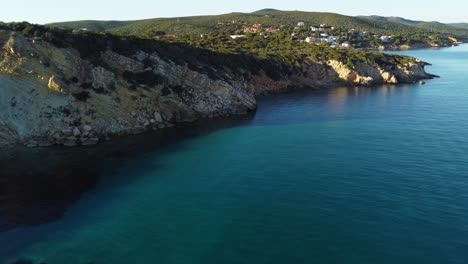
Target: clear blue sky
{"points": [[45, 11]]}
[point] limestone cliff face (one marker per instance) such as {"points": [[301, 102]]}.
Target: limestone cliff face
{"points": [[55, 96], [333, 72], [52, 96], [366, 74]]}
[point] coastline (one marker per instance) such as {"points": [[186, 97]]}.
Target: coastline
{"points": [[69, 101], [414, 47]]}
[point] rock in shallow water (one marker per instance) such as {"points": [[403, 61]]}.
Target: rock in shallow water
{"points": [[89, 141]]}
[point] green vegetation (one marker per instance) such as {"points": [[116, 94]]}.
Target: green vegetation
{"points": [[460, 25], [268, 18], [426, 26], [277, 55], [359, 32], [280, 47]]}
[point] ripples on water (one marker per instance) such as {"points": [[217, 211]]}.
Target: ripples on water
{"points": [[346, 175]]}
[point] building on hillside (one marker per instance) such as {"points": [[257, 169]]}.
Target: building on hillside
{"points": [[329, 41], [203, 35], [312, 40], [326, 27], [346, 44], [237, 36], [314, 29], [301, 24], [386, 39], [272, 30], [255, 28]]}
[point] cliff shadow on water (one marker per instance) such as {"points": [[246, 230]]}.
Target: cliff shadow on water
{"points": [[38, 185]]}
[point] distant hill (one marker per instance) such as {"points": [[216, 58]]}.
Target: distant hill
{"points": [[426, 25], [93, 25], [459, 25], [267, 17], [266, 10]]}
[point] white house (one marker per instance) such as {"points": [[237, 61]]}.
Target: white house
{"points": [[311, 40], [346, 44], [385, 39], [301, 24], [329, 41], [314, 29], [237, 36]]}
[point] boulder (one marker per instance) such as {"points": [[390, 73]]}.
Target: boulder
{"points": [[67, 132], [87, 128], [158, 117], [76, 132]]}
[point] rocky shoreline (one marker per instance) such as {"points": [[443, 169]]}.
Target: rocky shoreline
{"points": [[56, 96], [392, 47]]}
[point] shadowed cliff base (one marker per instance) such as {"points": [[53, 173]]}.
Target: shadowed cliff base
{"points": [[55, 178]]}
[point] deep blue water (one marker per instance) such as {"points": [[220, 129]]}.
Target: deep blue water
{"points": [[346, 175]]}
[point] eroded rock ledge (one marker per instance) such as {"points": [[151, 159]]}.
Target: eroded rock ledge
{"points": [[53, 95]]}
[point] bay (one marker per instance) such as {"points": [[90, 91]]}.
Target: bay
{"points": [[343, 175]]}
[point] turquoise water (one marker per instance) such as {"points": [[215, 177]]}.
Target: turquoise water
{"points": [[346, 175]]}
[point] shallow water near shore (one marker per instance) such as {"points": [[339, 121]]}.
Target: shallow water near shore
{"points": [[344, 175]]}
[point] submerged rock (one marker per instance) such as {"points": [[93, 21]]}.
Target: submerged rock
{"points": [[23, 261]]}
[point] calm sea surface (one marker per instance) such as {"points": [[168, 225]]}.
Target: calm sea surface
{"points": [[346, 175]]}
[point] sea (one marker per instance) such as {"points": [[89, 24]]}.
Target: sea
{"points": [[344, 175]]}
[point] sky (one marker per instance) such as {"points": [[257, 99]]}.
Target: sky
{"points": [[47, 11]]}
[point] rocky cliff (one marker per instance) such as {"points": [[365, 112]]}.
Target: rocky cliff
{"points": [[80, 92]]}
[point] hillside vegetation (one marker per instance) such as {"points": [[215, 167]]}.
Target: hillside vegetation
{"points": [[460, 25], [433, 26], [277, 55], [268, 17], [93, 25]]}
